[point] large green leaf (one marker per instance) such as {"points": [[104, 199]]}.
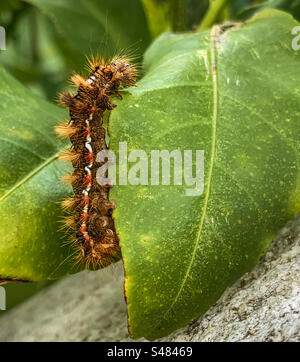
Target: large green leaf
{"points": [[291, 6], [234, 93], [98, 26], [31, 247]]}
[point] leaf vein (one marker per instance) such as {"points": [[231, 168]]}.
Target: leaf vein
{"points": [[29, 176], [211, 166]]}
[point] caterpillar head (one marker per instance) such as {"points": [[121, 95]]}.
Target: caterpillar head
{"points": [[124, 72]]}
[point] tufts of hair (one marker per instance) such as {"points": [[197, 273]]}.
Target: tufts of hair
{"points": [[79, 81], [69, 156], [70, 179], [69, 203], [68, 223], [67, 99], [66, 130]]}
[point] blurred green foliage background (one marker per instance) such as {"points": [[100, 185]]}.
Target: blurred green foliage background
{"points": [[47, 40]]}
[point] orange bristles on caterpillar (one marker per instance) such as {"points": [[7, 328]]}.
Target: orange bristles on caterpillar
{"points": [[95, 234], [69, 156], [65, 130], [68, 222], [78, 81], [69, 179], [66, 99], [68, 203]]}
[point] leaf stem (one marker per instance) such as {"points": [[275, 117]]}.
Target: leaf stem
{"points": [[156, 16], [215, 8], [178, 15]]}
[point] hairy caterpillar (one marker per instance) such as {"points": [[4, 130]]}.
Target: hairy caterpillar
{"points": [[91, 219]]}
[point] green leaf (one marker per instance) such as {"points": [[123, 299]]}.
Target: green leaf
{"points": [[290, 6], [234, 93], [19, 292], [98, 27], [238, 5], [31, 246]]}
